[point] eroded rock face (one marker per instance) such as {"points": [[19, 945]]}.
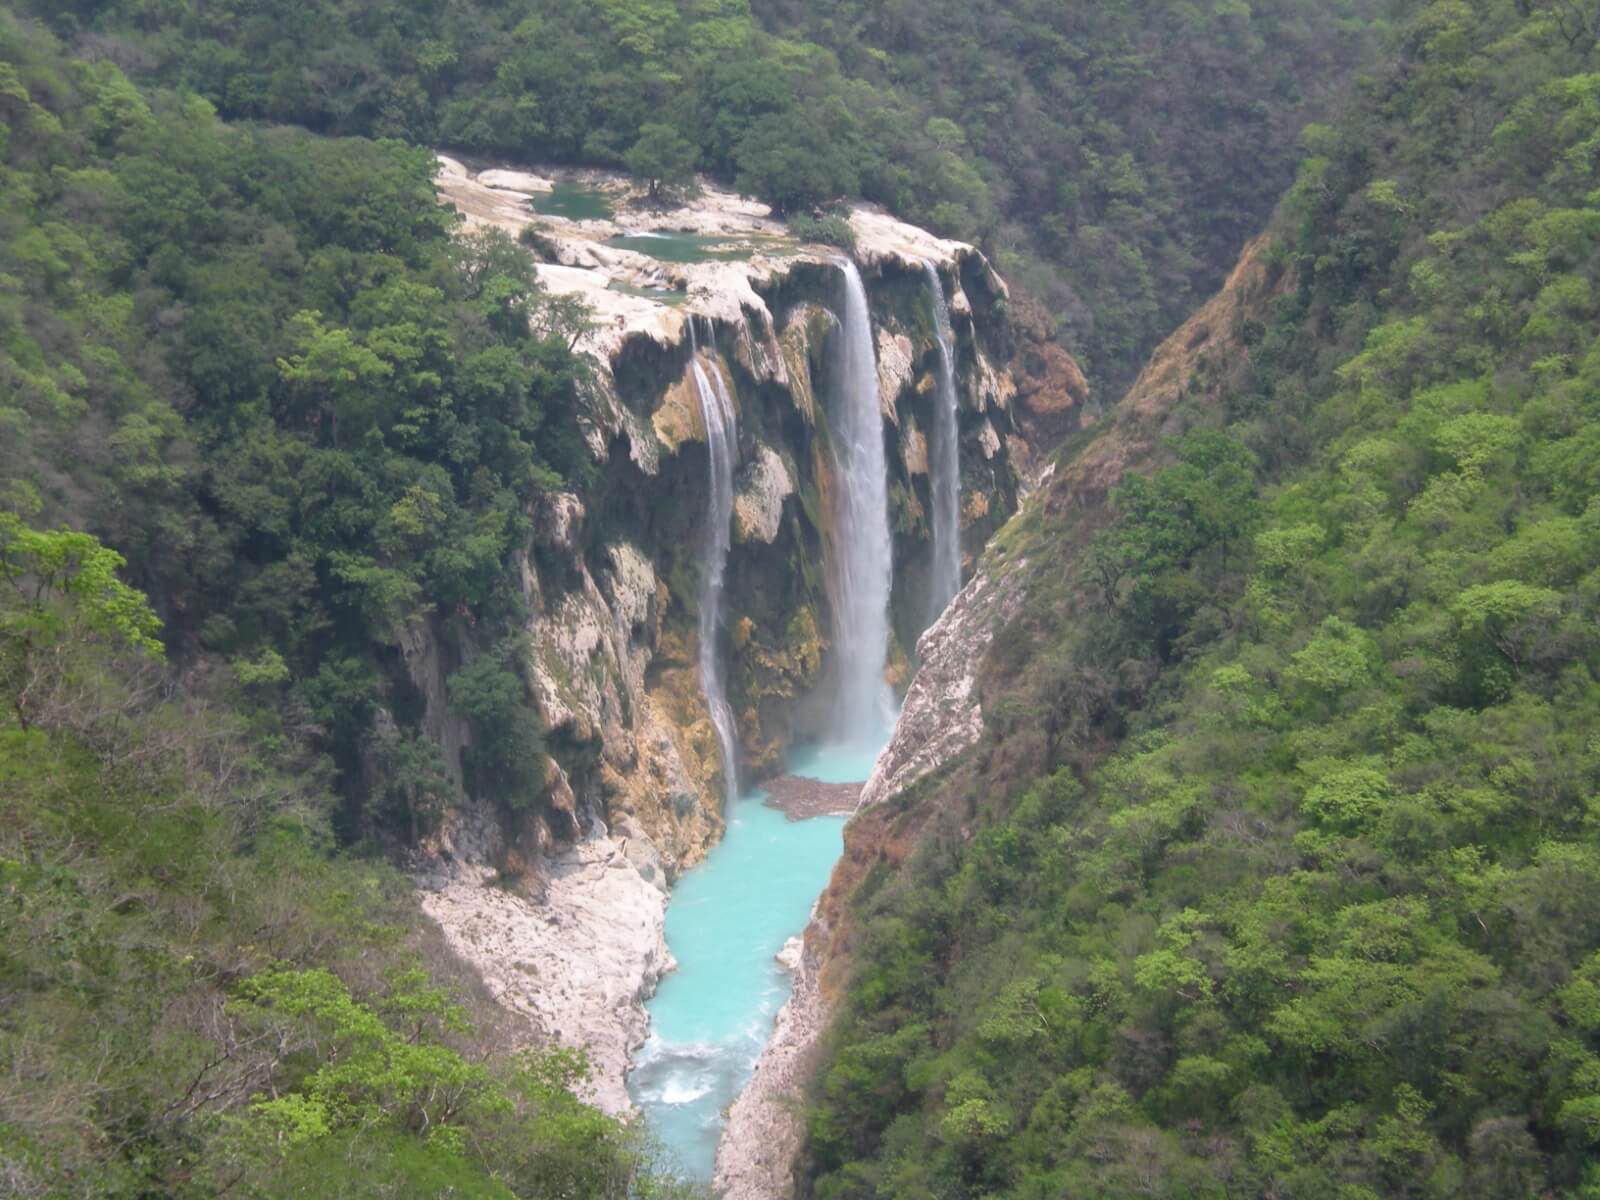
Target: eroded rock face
{"points": [[611, 576], [941, 715], [763, 491], [577, 965]]}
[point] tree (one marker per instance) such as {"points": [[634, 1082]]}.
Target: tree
{"points": [[790, 160], [57, 586], [506, 759], [662, 157]]}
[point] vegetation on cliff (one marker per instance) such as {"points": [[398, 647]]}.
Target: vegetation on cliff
{"points": [[1277, 871], [199, 998], [258, 364], [1113, 157]]}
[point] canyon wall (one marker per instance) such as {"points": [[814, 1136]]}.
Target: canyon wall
{"points": [[561, 906]]}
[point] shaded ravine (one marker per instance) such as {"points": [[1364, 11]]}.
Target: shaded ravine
{"points": [[727, 921], [944, 459]]}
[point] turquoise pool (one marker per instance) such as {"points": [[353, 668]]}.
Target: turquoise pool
{"points": [[727, 918]]}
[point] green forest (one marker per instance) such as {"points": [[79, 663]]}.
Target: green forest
{"points": [[1278, 873], [1112, 157], [256, 362]]}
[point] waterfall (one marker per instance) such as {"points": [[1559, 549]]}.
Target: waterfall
{"points": [[722, 444], [860, 574], [944, 463]]}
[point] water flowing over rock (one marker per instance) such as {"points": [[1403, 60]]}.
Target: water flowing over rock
{"points": [[617, 572], [722, 443], [861, 567], [944, 456]]}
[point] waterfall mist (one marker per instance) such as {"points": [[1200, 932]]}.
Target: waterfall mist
{"points": [[944, 463]]}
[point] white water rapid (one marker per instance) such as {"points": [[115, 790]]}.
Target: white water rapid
{"points": [[722, 443], [944, 460], [860, 575]]}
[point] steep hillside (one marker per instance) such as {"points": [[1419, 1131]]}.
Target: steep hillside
{"points": [[1112, 158], [1273, 869]]}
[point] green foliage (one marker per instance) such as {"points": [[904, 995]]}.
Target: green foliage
{"points": [[201, 999], [506, 759], [54, 585], [831, 229], [1114, 157], [261, 365], [662, 157], [1318, 915]]}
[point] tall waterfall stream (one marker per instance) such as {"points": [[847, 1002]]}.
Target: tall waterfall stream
{"points": [[729, 917], [722, 443]]}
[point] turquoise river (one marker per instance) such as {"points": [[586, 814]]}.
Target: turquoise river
{"points": [[727, 919]]}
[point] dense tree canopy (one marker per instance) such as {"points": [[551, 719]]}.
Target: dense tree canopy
{"points": [[259, 364], [1113, 156]]}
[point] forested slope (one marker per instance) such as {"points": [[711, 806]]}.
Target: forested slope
{"points": [[1112, 157], [259, 364], [1277, 870]]}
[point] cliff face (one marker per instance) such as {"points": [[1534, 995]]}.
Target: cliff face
{"points": [[612, 575], [927, 759]]}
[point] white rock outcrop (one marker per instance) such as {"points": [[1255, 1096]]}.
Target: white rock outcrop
{"points": [[578, 965], [942, 715], [763, 489]]}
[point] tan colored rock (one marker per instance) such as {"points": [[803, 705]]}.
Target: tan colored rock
{"points": [[764, 487], [914, 449], [894, 371], [802, 338], [988, 440], [677, 419], [995, 388]]}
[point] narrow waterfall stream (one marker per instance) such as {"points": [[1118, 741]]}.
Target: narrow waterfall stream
{"points": [[722, 443], [944, 460], [729, 917]]}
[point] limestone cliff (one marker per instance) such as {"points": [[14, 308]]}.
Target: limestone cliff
{"points": [[612, 573]]}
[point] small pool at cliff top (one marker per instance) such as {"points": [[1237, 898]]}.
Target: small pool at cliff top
{"points": [[575, 202], [727, 919], [703, 247]]}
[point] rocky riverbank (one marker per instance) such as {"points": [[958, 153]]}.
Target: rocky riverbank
{"points": [[577, 962]]}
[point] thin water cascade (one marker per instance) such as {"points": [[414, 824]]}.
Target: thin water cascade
{"points": [[944, 460], [722, 445], [862, 570]]}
